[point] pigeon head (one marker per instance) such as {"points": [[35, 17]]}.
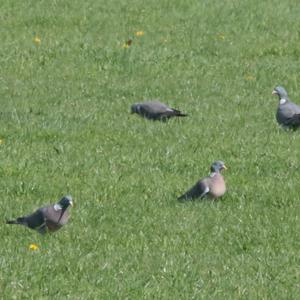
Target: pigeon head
{"points": [[135, 108], [281, 92], [65, 202], [218, 166]]}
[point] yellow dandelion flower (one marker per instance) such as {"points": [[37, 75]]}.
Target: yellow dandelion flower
{"points": [[37, 40], [1, 141], [139, 33], [33, 247], [127, 44]]}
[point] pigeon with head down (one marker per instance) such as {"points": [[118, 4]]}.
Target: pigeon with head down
{"points": [[155, 110]]}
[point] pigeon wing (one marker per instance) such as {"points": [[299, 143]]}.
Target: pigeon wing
{"points": [[293, 121], [33, 221], [199, 190], [153, 109]]}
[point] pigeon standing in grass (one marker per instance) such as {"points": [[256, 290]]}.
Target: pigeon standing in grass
{"points": [[288, 113], [212, 186], [155, 110], [48, 218]]}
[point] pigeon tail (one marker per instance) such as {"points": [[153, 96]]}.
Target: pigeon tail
{"points": [[180, 114], [184, 197], [20, 221], [188, 196]]}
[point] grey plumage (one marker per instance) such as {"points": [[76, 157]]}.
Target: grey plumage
{"points": [[48, 218], [212, 186], [155, 110], [288, 113]]}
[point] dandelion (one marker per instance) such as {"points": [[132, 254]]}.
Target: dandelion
{"points": [[127, 44], [139, 33], [37, 40], [33, 247], [1, 141]]}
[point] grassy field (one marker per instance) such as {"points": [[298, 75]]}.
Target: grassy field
{"points": [[66, 86]]}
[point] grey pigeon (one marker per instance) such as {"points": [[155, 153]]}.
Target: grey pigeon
{"points": [[288, 113], [155, 110], [50, 218], [212, 186]]}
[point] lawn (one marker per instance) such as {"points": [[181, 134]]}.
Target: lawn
{"points": [[68, 78]]}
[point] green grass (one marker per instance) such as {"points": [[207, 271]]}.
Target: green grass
{"points": [[66, 128]]}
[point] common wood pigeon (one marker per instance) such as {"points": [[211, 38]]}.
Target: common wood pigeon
{"points": [[212, 186], [48, 218], [288, 113], [155, 110]]}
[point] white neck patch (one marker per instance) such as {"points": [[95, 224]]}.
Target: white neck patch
{"points": [[282, 101], [57, 207], [212, 174]]}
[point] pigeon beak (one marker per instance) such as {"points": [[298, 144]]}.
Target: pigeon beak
{"points": [[224, 167], [274, 93], [71, 203]]}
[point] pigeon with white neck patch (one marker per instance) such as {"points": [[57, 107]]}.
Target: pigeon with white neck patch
{"points": [[288, 113], [49, 218], [155, 110], [212, 186]]}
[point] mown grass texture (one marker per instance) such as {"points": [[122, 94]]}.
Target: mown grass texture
{"points": [[66, 86]]}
